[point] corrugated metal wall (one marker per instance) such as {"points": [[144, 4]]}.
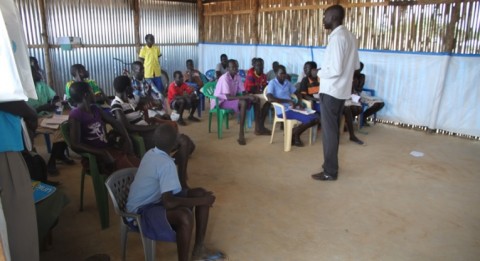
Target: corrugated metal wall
{"points": [[106, 28], [423, 26]]}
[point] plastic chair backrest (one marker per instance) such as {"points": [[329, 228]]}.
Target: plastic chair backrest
{"points": [[208, 89], [211, 74], [65, 129], [293, 78], [118, 185]]}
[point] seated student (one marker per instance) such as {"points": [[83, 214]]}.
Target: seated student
{"points": [[228, 88], [374, 103], [45, 104], [123, 108], [147, 95], [306, 68], [181, 97], [88, 133], [280, 90], [221, 68], [273, 72], [80, 74], [254, 84], [193, 75], [167, 211], [310, 85]]}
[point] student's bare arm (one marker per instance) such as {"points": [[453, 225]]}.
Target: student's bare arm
{"points": [[77, 145], [272, 98], [170, 201], [120, 116], [106, 117]]}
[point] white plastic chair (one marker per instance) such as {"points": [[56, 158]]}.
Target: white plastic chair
{"points": [[118, 185], [288, 125]]}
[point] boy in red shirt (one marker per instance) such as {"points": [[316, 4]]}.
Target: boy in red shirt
{"points": [[181, 97]]}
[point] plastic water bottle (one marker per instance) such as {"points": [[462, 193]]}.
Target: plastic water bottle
{"points": [[59, 108]]}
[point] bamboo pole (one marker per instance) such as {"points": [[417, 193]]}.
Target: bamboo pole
{"points": [[449, 38], [136, 24], [254, 20], [201, 21], [45, 45]]}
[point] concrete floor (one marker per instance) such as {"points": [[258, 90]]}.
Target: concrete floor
{"points": [[386, 204]]}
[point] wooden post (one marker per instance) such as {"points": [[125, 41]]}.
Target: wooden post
{"points": [[201, 21], [449, 38], [45, 44], [136, 24], [254, 19]]}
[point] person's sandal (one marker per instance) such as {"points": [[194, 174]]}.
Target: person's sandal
{"points": [[209, 256]]}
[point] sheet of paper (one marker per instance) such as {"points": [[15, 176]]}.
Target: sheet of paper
{"points": [[355, 98], [417, 153]]}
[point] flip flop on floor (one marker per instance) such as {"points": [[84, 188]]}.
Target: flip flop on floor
{"points": [[210, 256], [356, 140]]}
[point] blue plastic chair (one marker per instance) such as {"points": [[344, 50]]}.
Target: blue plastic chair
{"points": [[365, 107], [242, 74], [222, 114], [211, 75]]}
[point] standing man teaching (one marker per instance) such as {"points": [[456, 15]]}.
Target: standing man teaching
{"points": [[339, 63]]}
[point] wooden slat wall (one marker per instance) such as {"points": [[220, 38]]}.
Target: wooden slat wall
{"points": [[399, 25]]}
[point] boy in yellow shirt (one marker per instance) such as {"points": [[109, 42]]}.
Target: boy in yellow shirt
{"points": [[149, 55]]}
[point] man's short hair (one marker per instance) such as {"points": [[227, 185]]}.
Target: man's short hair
{"points": [[148, 36], [165, 137], [74, 68], [338, 9], [136, 63], [177, 73], [223, 55], [120, 83], [78, 91], [282, 67], [189, 61], [313, 65]]}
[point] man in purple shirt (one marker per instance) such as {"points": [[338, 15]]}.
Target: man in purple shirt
{"points": [[231, 95]]}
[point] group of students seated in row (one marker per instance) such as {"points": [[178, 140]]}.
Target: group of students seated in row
{"points": [[240, 96]]}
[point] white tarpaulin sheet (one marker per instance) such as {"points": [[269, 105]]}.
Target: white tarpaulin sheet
{"points": [[435, 90]]}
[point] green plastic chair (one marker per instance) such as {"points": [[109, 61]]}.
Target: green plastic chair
{"points": [[138, 145], [98, 180], [222, 114]]}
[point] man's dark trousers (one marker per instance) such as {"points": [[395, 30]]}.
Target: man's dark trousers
{"points": [[331, 113]]}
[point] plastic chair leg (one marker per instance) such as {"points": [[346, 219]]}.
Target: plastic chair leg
{"points": [[209, 122], [149, 249], [219, 124], [101, 197], [273, 131], [82, 186], [287, 132], [123, 238]]}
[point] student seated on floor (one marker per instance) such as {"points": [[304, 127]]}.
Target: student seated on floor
{"points": [[125, 111], [88, 133], [181, 97], [280, 90], [169, 213]]}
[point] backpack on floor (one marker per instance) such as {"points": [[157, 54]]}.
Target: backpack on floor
{"points": [[36, 165]]}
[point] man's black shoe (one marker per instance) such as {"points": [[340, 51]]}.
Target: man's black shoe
{"points": [[323, 177]]}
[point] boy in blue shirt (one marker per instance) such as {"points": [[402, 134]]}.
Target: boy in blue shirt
{"points": [[167, 211]]}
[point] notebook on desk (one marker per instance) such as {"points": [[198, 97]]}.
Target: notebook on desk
{"points": [[53, 122], [304, 111]]}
